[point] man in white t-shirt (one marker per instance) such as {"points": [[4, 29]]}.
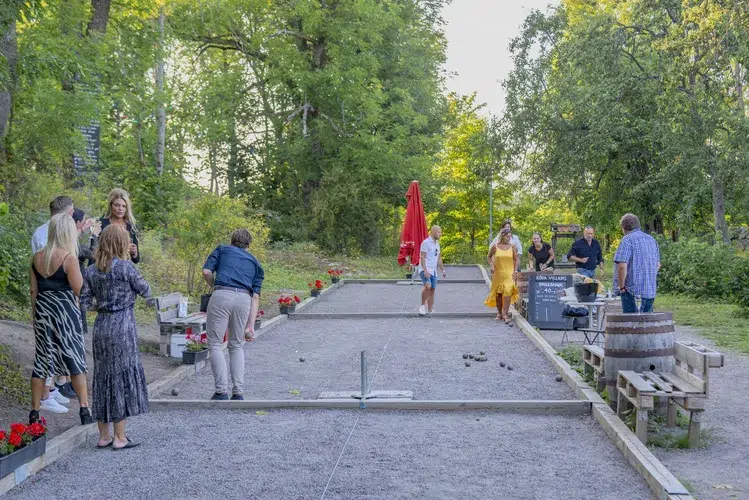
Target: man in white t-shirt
{"points": [[431, 259]]}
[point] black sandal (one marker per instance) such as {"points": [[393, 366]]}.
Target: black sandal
{"points": [[111, 442], [130, 444]]}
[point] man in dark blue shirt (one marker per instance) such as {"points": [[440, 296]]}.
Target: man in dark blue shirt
{"points": [[586, 254], [236, 277]]}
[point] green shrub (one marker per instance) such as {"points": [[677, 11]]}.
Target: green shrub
{"points": [[699, 269], [740, 287], [15, 255]]}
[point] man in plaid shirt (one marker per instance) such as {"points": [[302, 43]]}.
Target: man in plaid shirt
{"points": [[638, 260]]}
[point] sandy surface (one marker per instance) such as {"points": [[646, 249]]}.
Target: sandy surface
{"points": [[385, 455]]}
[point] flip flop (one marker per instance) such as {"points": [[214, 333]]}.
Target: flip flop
{"points": [[130, 444], [106, 445]]}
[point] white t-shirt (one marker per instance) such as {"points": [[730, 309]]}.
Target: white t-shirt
{"points": [[39, 240], [432, 249]]}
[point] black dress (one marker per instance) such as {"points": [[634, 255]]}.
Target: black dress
{"points": [[119, 388], [541, 256], [57, 327], [133, 236]]}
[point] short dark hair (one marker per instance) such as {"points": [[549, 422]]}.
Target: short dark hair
{"points": [[78, 215], [241, 238], [59, 205], [630, 222]]}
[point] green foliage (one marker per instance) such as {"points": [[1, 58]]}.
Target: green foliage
{"points": [[199, 225], [741, 287], [13, 384], [700, 269]]}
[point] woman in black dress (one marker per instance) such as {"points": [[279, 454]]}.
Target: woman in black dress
{"points": [[540, 254], [119, 388], [55, 286], [120, 213]]}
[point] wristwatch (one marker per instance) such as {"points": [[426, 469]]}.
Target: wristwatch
{"points": [[622, 289]]}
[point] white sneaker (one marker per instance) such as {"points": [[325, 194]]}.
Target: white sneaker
{"points": [[57, 395], [430, 312], [422, 310], [52, 406]]}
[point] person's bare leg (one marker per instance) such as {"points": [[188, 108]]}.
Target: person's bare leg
{"points": [[120, 439], [104, 437], [506, 309], [425, 294], [430, 300], [79, 384], [37, 392], [498, 299]]}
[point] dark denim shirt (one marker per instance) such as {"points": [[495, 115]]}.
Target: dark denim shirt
{"points": [[581, 249], [236, 268]]}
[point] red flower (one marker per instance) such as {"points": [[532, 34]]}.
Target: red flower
{"points": [[260, 313], [297, 299], [18, 428], [15, 439], [2, 435], [43, 420], [330, 272], [203, 337], [35, 430]]}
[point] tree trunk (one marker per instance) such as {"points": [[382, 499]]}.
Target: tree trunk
{"points": [[161, 109], [8, 53], [214, 171], [739, 77], [233, 164], [719, 201], [99, 17]]}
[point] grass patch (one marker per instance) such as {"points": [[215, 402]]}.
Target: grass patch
{"points": [[13, 385], [721, 322]]}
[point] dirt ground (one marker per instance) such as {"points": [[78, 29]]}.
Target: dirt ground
{"points": [[20, 338]]}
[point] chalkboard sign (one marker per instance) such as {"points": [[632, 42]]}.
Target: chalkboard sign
{"points": [[90, 162], [544, 309]]}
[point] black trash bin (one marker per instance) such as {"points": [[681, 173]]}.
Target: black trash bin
{"points": [[586, 292]]}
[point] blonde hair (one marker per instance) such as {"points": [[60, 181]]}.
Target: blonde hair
{"points": [[61, 234], [114, 242], [121, 194]]}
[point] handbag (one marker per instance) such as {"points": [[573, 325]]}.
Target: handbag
{"points": [[204, 299]]}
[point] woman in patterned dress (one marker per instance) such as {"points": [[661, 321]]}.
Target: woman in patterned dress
{"points": [[119, 389], [55, 285]]}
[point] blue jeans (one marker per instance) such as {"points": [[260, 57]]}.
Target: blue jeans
{"points": [[590, 273], [630, 306], [432, 279]]}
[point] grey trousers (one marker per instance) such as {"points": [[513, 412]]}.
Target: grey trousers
{"points": [[227, 309]]}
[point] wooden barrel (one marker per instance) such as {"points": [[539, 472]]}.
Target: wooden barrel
{"points": [[637, 342]]}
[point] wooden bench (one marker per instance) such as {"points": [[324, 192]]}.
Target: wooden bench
{"points": [[687, 385], [167, 309], [593, 364]]}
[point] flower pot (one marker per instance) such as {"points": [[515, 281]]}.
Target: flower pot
{"points": [[314, 292], [258, 323], [288, 309], [409, 276], [335, 280], [191, 358], [9, 463]]}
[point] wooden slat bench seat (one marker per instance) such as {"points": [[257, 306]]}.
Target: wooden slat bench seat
{"points": [[686, 385], [593, 363]]}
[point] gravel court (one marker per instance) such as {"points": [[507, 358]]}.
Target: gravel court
{"points": [[390, 297], [307, 454], [424, 355], [463, 273]]}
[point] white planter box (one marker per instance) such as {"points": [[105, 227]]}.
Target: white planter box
{"points": [[177, 345]]}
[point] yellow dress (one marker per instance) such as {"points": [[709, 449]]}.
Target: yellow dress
{"points": [[502, 282]]}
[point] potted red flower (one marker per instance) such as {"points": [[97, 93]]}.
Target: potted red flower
{"points": [[335, 275], [287, 303], [258, 320], [21, 445], [315, 288], [196, 349]]}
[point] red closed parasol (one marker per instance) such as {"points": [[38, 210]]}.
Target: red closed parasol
{"points": [[414, 226]]}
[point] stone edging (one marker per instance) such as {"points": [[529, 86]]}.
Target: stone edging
{"points": [[66, 442]]}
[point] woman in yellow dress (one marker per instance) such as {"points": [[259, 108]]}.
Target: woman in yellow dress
{"points": [[503, 260]]}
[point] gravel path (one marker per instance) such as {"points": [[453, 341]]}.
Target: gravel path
{"points": [[293, 454], [423, 355], [463, 273], [449, 297]]}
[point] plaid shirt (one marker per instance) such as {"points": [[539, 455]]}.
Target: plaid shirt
{"points": [[641, 254]]}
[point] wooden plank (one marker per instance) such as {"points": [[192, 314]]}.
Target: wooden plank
{"points": [[690, 356], [714, 358], [636, 380], [594, 349], [658, 381], [685, 381], [166, 301], [167, 316]]}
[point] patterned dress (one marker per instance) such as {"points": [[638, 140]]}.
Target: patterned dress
{"points": [[119, 388], [57, 327]]}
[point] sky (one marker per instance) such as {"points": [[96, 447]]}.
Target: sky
{"points": [[478, 35]]}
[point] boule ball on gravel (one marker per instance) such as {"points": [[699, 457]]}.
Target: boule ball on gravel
{"points": [[468, 363], [472, 356], [502, 364], [482, 352], [558, 378], [175, 392], [509, 367], [302, 360], [465, 356], [484, 358]]}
